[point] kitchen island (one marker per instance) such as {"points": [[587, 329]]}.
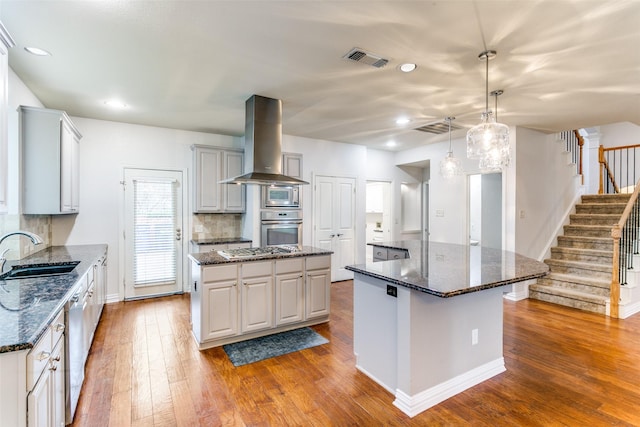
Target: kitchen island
{"points": [[239, 294], [429, 326]]}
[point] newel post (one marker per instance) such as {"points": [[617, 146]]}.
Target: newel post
{"points": [[615, 273], [601, 168]]}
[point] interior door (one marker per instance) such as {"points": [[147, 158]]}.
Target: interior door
{"points": [[152, 234], [334, 222]]}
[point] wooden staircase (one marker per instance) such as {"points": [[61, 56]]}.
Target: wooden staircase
{"points": [[580, 266]]}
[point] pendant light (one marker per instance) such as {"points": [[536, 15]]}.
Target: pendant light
{"points": [[488, 139], [450, 166], [498, 157]]}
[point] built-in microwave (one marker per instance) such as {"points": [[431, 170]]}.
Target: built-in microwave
{"points": [[280, 196]]}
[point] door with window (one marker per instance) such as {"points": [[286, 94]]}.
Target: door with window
{"points": [[152, 232]]}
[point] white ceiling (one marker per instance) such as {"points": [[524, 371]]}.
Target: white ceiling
{"points": [[192, 64]]}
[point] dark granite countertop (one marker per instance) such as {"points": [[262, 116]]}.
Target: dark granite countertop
{"points": [[447, 270], [213, 257], [28, 306], [220, 240]]}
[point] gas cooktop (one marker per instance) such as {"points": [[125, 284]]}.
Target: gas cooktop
{"points": [[257, 252]]}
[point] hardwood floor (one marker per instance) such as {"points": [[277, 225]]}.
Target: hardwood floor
{"points": [[564, 367]]}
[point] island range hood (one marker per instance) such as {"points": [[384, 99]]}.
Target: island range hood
{"points": [[263, 144]]}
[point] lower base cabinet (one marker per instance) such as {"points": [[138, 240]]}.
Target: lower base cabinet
{"points": [[236, 301]]}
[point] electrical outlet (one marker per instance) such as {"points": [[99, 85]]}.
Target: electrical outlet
{"points": [[474, 337], [392, 291], [439, 212], [522, 214]]}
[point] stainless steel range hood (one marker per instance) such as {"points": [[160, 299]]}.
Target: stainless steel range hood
{"points": [[263, 144]]}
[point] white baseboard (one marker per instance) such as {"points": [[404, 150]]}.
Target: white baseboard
{"points": [[413, 405], [520, 291], [629, 310], [112, 298]]}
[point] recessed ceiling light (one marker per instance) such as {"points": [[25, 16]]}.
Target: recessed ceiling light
{"points": [[402, 121], [408, 67], [37, 51], [114, 103], [391, 143]]}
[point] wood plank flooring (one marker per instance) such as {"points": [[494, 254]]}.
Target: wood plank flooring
{"points": [[564, 367]]}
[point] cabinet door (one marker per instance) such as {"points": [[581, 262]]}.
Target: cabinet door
{"points": [[219, 309], [69, 183], [292, 165], [257, 303], [289, 298], [57, 384], [40, 402], [207, 163], [234, 195], [318, 293]]}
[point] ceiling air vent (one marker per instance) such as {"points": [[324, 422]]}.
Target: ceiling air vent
{"points": [[359, 55], [438, 128]]}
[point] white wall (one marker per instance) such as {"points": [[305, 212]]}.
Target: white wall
{"points": [[546, 190], [106, 148]]}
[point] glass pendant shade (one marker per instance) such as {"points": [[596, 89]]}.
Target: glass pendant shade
{"points": [[487, 137], [450, 167], [495, 160]]}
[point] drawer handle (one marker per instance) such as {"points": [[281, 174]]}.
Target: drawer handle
{"points": [[44, 355], [59, 327], [53, 367], [56, 359]]}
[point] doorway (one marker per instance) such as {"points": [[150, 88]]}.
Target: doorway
{"points": [[152, 232], [484, 220]]}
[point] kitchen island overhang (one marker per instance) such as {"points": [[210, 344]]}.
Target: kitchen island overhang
{"points": [[429, 327]]}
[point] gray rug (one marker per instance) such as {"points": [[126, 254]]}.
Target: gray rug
{"points": [[245, 352]]}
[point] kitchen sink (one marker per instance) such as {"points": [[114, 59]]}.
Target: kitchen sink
{"points": [[39, 270]]}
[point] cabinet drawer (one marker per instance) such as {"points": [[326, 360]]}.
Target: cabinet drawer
{"points": [[257, 269], [57, 328], [397, 254], [289, 266], [379, 252], [239, 245], [38, 358], [318, 262], [217, 273]]}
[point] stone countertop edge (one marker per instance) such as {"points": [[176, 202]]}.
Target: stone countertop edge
{"points": [[220, 240], [441, 294], [63, 285], [212, 258]]}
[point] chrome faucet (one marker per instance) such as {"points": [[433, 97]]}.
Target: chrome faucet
{"points": [[35, 239]]}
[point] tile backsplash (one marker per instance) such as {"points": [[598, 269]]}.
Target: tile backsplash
{"points": [[21, 247], [207, 226]]}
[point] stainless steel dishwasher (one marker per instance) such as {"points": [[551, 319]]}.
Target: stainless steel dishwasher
{"points": [[74, 349]]}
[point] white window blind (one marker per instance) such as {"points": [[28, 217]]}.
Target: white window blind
{"points": [[154, 232]]}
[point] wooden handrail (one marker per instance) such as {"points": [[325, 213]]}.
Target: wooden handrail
{"points": [[616, 234], [621, 147]]}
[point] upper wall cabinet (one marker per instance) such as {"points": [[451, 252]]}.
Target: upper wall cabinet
{"points": [[292, 165], [211, 165], [50, 162], [5, 43]]}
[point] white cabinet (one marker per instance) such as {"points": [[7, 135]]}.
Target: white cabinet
{"points": [[381, 253], [211, 165], [318, 287], [217, 295], [45, 378], [232, 302], [257, 296], [50, 162], [289, 291], [292, 165], [5, 43]]}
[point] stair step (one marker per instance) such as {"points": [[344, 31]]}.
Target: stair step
{"points": [[606, 198], [587, 230], [582, 254], [588, 269], [569, 298], [594, 219], [600, 287], [602, 243], [600, 208]]}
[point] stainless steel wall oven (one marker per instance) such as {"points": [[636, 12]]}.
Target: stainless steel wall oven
{"points": [[281, 228]]}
